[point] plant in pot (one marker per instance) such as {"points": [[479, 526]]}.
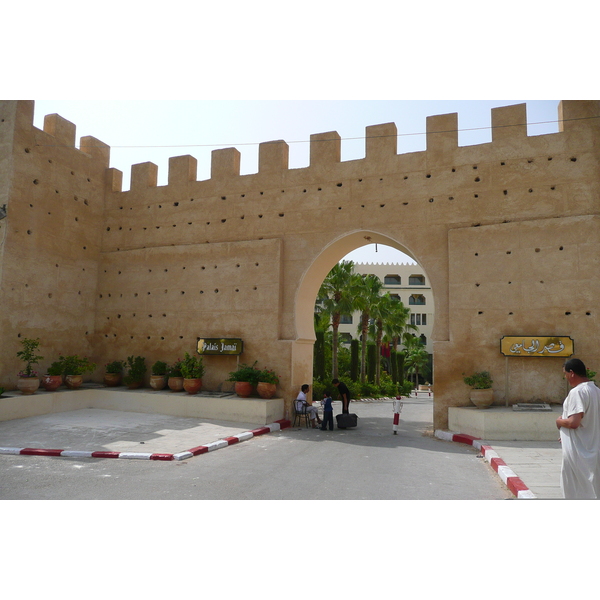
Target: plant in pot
{"points": [[481, 395], [113, 373], [158, 378], [267, 384], [174, 376], [28, 381], [74, 367], [136, 369], [192, 369], [245, 378], [52, 380]]}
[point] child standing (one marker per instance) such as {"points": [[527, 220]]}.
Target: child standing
{"points": [[327, 412]]}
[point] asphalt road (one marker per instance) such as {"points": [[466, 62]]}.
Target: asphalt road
{"points": [[367, 463]]}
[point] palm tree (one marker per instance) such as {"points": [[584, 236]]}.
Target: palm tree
{"points": [[380, 311], [367, 295], [397, 323], [337, 297], [417, 359]]}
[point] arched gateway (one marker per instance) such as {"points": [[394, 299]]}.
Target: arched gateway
{"points": [[507, 231]]}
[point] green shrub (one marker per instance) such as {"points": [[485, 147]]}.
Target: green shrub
{"points": [[268, 376], [56, 368], [404, 389], [318, 387], [29, 357], [159, 368], [76, 365], [479, 381], [136, 369], [116, 366], [247, 373], [175, 369], [192, 367]]}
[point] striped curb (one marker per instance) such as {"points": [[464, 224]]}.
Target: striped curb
{"points": [[223, 443], [508, 476]]}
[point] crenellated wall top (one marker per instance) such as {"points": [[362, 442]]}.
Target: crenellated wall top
{"points": [[509, 127]]}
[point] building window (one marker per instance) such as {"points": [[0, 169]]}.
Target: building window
{"points": [[346, 320], [392, 280], [416, 280], [418, 319], [345, 338], [416, 300]]}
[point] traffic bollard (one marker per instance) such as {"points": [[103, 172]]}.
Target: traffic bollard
{"points": [[397, 410]]}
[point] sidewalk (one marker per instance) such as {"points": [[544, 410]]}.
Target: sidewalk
{"points": [[529, 469], [100, 433], [537, 464]]}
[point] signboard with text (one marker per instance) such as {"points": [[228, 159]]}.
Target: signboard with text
{"points": [[220, 346], [536, 346]]}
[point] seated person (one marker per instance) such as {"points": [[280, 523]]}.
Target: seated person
{"points": [[302, 402]]}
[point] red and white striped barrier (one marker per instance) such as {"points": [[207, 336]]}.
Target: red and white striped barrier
{"points": [[240, 437], [508, 476], [397, 410]]}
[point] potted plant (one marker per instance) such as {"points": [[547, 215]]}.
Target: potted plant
{"points": [[113, 373], [52, 380], [174, 377], [192, 370], [158, 378], [245, 378], [28, 381], [74, 367], [481, 395], [267, 384], [136, 369]]}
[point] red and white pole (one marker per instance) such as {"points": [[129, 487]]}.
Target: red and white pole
{"points": [[397, 410]]}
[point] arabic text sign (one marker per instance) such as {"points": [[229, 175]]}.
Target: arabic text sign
{"points": [[220, 346], [536, 346]]}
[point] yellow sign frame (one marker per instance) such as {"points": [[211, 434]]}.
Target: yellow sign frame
{"points": [[220, 346], [554, 346]]}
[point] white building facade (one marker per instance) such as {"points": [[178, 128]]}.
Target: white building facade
{"points": [[409, 283]]}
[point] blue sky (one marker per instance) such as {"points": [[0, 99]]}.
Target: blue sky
{"points": [[155, 130]]}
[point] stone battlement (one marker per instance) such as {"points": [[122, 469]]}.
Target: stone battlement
{"points": [[508, 124]]}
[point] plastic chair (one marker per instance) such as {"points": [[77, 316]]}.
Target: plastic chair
{"points": [[300, 414]]}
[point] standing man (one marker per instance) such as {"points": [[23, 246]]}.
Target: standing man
{"points": [[344, 393], [579, 429]]}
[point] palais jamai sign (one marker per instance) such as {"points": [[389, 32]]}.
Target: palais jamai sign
{"points": [[220, 346], [555, 346]]}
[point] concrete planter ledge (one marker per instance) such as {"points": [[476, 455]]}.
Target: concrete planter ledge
{"points": [[502, 423], [14, 405]]}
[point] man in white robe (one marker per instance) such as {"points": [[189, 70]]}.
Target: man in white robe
{"points": [[579, 429]]}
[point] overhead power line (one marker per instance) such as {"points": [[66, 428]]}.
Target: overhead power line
{"points": [[364, 137]]}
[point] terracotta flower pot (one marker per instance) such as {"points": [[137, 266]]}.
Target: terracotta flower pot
{"points": [[192, 386], [243, 388], [482, 398], [112, 379], [266, 390], [73, 381], [51, 382], [28, 385], [158, 382], [175, 384]]}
